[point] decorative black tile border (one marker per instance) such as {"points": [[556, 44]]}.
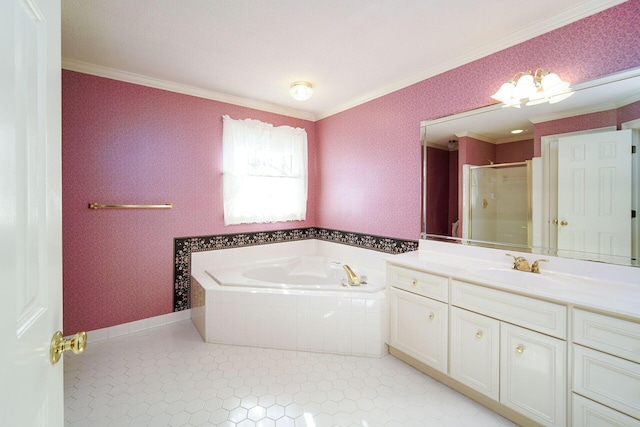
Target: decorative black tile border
{"points": [[184, 246]]}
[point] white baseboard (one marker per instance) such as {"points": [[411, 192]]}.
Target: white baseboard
{"points": [[137, 326]]}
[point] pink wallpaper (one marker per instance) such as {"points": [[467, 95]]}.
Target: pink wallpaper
{"points": [[628, 113], [572, 124], [369, 158], [514, 151], [124, 143]]}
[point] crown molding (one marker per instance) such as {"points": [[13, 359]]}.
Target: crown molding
{"points": [[569, 16], [125, 76], [584, 10]]}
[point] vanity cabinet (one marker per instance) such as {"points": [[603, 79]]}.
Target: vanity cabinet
{"points": [[419, 315], [606, 370], [514, 363]]}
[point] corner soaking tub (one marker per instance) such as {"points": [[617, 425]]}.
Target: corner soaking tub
{"points": [[291, 296], [306, 273]]}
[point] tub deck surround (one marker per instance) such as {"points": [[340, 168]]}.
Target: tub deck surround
{"points": [[610, 288], [329, 321], [185, 246]]}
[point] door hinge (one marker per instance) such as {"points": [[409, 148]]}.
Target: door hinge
{"points": [[633, 149], [633, 213]]}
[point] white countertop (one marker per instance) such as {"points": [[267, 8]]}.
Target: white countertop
{"points": [[618, 292]]}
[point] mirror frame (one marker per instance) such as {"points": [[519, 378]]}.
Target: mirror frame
{"points": [[612, 78]]}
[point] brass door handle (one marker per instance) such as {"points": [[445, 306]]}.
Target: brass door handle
{"points": [[59, 345]]}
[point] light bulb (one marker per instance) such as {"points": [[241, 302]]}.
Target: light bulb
{"points": [[301, 90], [505, 93], [525, 87]]}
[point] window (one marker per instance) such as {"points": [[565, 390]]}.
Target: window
{"points": [[264, 172]]}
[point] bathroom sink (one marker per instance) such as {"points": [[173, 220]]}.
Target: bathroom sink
{"points": [[516, 277]]}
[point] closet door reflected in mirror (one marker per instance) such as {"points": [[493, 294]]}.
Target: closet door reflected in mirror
{"points": [[591, 210]]}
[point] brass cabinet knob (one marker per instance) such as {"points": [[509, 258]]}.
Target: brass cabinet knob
{"points": [[520, 349], [479, 334], [554, 222], [415, 282], [432, 316], [564, 223], [59, 345]]}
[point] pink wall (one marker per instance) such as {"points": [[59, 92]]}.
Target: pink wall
{"points": [[628, 113], [514, 151], [572, 124], [369, 158], [124, 143]]}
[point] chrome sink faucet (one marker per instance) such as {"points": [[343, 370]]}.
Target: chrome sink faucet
{"points": [[352, 277], [521, 264]]}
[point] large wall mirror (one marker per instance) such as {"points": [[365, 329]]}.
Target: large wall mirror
{"points": [[557, 179]]}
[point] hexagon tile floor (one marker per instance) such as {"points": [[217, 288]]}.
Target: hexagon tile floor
{"points": [[168, 376]]}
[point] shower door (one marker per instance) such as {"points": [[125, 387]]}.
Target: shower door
{"points": [[499, 205]]}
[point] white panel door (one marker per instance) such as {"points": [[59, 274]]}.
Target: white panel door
{"points": [[594, 194], [30, 212]]}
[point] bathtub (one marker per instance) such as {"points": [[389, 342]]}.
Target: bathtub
{"points": [[309, 273], [290, 295]]}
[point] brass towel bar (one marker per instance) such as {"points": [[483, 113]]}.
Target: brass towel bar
{"points": [[101, 206]]}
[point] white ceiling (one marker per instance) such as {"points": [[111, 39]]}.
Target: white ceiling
{"points": [[248, 52]]}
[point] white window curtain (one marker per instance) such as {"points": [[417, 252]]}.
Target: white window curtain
{"points": [[264, 172]]}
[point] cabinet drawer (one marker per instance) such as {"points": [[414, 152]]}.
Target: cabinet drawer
{"points": [[541, 316], [589, 413], [614, 336], [419, 282], [607, 379]]}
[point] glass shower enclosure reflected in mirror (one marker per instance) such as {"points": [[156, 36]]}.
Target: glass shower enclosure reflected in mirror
{"points": [[497, 203]]}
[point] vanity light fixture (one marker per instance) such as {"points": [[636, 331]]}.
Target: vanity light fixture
{"points": [[301, 90], [536, 88]]}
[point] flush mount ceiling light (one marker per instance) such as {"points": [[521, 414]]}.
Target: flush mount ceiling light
{"points": [[533, 88], [301, 90]]}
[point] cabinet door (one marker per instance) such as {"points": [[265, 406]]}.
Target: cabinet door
{"points": [[475, 347], [419, 328], [532, 374]]}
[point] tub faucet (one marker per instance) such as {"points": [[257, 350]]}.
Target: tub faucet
{"points": [[352, 278]]}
